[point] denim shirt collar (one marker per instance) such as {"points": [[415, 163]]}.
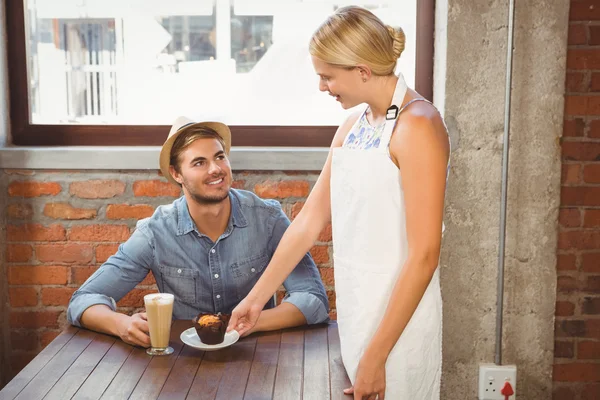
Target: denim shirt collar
{"points": [[185, 224]]}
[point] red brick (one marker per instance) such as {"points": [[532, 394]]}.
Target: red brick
{"points": [[590, 262], [577, 372], [333, 315], [327, 276], [576, 82], [583, 59], [57, 296], [577, 34], [580, 196], [581, 151], [35, 233], [584, 10], [135, 298], [591, 218], [99, 233], [23, 297], [34, 319], [590, 391], [104, 251], [296, 208], [594, 35], [320, 254], [571, 174], [576, 105], [564, 308], [38, 275], [591, 306], [567, 284], [66, 211], [592, 284], [80, 274], [33, 189], [331, 297], [594, 131], [569, 217], [583, 240], [24, 340], [238, 184], [588, 350], [97, 189], [570, 328], [155, 188], [573, 127], [563, 393], [325, 235], [124, 211], [18, 252], [591, 174], [566, 262], [282, 189], [19, 211], [594, 85], [19, 360], [592, 328], [47, 336], [564, 349], [148, 280], [589, 328], [64, 253]]}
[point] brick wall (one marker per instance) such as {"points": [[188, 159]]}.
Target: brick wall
{"points": [[62, 225], [577, 335]]}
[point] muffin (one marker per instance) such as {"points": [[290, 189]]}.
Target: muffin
{"points": [[211, 328]]}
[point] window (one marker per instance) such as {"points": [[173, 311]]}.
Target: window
{"points": [[114, 72]]}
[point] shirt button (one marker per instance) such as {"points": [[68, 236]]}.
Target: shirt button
{"points": [[218, 296], [179, 271], [217, 276], [253, 270], [213, 251]]}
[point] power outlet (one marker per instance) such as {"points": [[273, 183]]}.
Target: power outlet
{"points": [[492, 378]]}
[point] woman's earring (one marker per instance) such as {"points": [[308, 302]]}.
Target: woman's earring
{"points": [[364, 79]]}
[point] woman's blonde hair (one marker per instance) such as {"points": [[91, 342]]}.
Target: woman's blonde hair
{"points": [[354, 35]]}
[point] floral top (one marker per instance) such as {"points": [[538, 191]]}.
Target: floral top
{"points": [[364, 136]]}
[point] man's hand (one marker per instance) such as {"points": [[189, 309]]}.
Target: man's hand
{"points": [[134, 330]]}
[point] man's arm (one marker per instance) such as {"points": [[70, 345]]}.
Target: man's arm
{"points": [[93, 305]]}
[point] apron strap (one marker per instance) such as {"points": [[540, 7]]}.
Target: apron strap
{"points": [[393, 111]]}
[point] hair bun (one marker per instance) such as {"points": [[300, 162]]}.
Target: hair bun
{"points": [[398, 38]]}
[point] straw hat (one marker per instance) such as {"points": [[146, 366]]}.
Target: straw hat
{"points": [[180, 125]]}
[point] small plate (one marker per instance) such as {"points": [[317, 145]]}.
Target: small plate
{"points": [[190, 337]]}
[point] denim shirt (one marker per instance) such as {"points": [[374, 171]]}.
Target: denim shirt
{"points": [[204, 276]]}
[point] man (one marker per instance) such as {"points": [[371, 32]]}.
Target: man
{"points": [[208, 247]]}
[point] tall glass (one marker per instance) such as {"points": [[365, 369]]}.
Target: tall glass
{"points": [[159, 309]]}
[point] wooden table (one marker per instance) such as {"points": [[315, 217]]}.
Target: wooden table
{"points": [[300, 363]]}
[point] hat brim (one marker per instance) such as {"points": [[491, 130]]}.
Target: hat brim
{"points": [[165, 152]]}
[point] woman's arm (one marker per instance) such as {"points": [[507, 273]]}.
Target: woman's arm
{"points": [[297, 240], [420, 148]]}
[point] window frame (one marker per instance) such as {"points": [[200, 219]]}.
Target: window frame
{"points": [[24, 133]]}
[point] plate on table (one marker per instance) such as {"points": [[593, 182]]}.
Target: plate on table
{"points": [[190, 337]]}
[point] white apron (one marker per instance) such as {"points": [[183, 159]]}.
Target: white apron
{"points": [[370, 247]]}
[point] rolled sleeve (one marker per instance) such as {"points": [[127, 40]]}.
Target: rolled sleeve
{"points": [[84, 301], [115, 278], [310, 305]]}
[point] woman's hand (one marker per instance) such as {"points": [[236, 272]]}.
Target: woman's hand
{"points": [[370, 379], [244, 316]]}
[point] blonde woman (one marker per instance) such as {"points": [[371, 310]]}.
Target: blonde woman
{"points": [[382, 188]]}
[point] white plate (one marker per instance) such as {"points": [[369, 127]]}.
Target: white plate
{"points": [[190, 337]]}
